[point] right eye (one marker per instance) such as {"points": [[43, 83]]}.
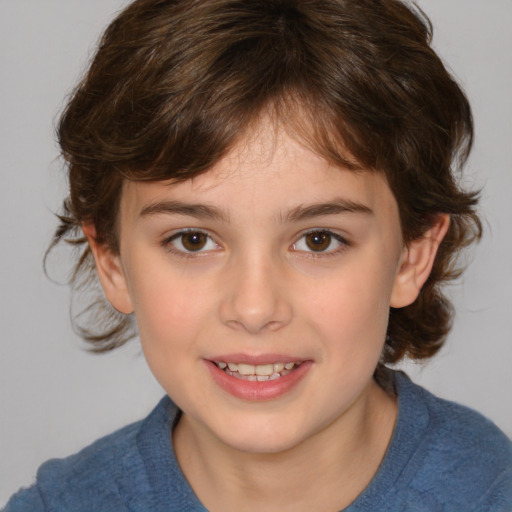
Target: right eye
{"points": [[191, 241]]}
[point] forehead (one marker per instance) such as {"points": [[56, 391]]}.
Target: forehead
{"points": [[267, 172]]}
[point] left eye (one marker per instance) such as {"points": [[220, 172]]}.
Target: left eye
{"points": [[319, 241], [192, 241]]}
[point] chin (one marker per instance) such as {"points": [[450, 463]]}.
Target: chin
{"points": [[258, 438]]}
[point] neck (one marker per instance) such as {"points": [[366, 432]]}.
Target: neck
{"points": [[338, 462]]}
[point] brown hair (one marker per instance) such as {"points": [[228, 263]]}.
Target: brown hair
{"points": [[175, 83]]}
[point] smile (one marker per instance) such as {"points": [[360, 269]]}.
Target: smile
{"points": [[255, 382], [260, 372]]}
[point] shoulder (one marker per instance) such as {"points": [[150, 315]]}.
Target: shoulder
{"points": [[458, 431], [462, 456], [63, 484], [102, 476]]}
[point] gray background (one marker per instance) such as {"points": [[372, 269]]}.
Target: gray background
{"points": [[56, 398]]}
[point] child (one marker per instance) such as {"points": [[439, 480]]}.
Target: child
{"points": [[267, 187]]}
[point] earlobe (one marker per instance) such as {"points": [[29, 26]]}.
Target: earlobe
{"points": [[110, 272], [416, 263]]}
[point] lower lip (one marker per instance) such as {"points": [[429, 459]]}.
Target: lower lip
{"points": [[255, 390]]}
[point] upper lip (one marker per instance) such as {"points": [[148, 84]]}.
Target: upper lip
{"points": [[257, 359]]}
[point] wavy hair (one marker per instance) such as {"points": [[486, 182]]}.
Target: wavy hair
{"points": [[174, 84]]}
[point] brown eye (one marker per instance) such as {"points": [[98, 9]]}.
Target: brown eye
{"points": [[194, 241], [189, 242], [318, 241]]}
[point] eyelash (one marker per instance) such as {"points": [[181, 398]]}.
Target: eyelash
{"points": [[167, 243], [343, 244]]}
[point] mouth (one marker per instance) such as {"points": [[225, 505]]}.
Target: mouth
{"points": [[258, 378], [259, 372]]}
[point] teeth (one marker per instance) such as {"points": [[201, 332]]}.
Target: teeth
{"points": [[279, 367], [246, 369], [265, 369], [259, 372]]}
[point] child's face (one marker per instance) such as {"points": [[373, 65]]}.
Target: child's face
{"points": [[272, 257]]}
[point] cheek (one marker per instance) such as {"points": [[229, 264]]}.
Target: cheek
{"points": [[352, 307], [170, 305], [168, 314], [170, 319]]}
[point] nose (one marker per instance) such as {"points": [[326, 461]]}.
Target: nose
{"points": [[255, 297]]}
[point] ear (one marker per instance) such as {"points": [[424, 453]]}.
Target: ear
{"points": [[110, 272], [416, 263]]}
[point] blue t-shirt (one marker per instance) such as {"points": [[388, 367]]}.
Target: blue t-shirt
{"points": [[442, 457]]}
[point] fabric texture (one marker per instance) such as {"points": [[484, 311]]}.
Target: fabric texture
{"points": [[442, 457]]}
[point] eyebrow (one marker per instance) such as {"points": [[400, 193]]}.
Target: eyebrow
{"points": [[335, 207], [301, 212], [200, 211]]}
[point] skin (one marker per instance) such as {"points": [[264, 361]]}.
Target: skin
{"points": [[257, 288]]}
